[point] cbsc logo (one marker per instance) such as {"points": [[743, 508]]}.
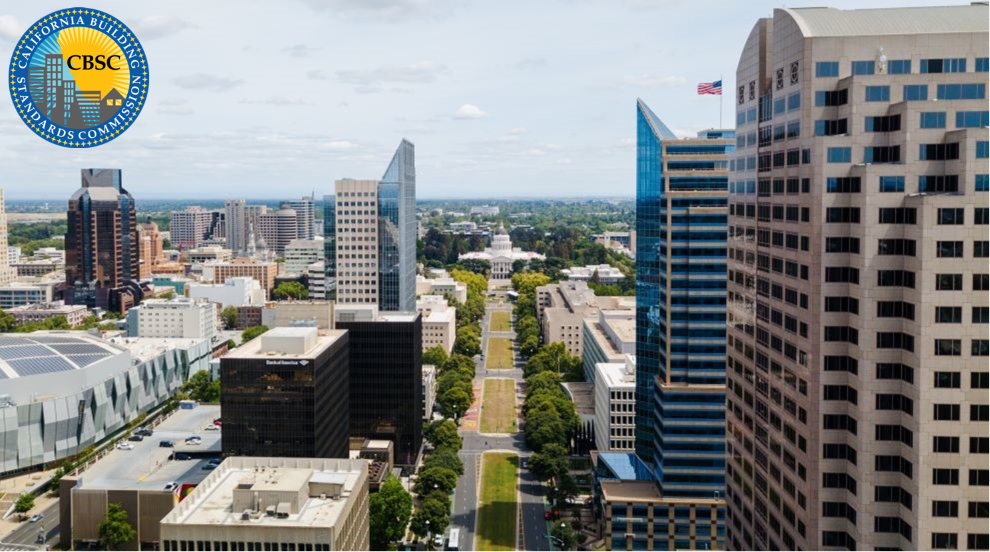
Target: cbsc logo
{"points": [[78, 78]]}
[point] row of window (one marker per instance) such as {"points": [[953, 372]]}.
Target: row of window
{"points": [[892, 154], [830, 69], [766, 187]]}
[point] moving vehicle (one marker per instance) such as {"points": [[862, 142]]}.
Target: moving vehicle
{"points": [[136, 438], [194, 441], [144, 432], [209, 467], [182, 456], [36, 518], [171, 486], [438, 541], [125, 446], [165, 443], [454, 539], [211, 427]]}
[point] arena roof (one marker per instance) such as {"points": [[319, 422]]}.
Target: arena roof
{"points": [[32, 355]]}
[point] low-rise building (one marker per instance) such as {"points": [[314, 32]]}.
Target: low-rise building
{"points": [[299, 254], [39, 312], [262, 271], [607, 339], [234, 292], [563, 308], [207, 254], [439, 322], [16, 294], [605, 274], [13, 254], [442, 284], [180, 317], [315, 313], [615, 405], [484, 211], [258, 503], [38, 267], [463, 226], [317, 280], [429, 390]]}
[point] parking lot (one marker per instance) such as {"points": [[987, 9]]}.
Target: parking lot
{"points": [[149, 465]]}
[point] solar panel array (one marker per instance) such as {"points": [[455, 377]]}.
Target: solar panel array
{"points": [[47, 354]]}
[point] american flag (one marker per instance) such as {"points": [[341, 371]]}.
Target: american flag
{"points": [[714, 88]]}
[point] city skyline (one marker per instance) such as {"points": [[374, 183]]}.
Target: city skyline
{"points": [[489, 114]]}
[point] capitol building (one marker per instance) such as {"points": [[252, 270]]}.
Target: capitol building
{"points": [[501, 255]]}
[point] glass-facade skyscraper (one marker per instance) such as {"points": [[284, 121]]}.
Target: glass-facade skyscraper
{"points": [[397, 232]]}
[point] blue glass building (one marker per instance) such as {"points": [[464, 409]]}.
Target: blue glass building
{"points": [[397, 232], [681, 233], [330, 246]]}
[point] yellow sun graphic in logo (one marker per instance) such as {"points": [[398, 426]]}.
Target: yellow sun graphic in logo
{"points": [[82, 42]]}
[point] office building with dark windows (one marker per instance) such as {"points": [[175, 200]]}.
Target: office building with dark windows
{"points": [[386, 379], [676, 478], [285, 394], [330, 247], [373, 237], [858, 301], [101, 244]]}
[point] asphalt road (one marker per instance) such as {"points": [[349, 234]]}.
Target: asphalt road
{"points": [[534, 528], [27, 532]]}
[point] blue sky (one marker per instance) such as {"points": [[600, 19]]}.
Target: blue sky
{"points": [[512, 98]]}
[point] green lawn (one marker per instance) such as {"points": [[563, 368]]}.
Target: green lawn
{"points": [[498, 408], [497, 513], [501, 322], [499, 355]]}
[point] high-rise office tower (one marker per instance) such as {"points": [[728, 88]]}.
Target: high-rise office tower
{"points": [[194, 225], [858, 282], [7, 274], [305, 215], [278, 228], [101, 243], [330, 246], [150, 247], [375, 236], [236, 223], [286, 394], [386, 377]]}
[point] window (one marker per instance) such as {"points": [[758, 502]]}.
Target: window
{"points": [[980, 347], [831, 127], [981, 249], [841, 363], [895, 401], [839, 155], [981, 216], [952, 217], [831, 98], [895, 278], [979, 445], [948, 282], [895, 371], [945, 541], [979, 478], [891, 184], [961, 91], [946, 413], [945, 476], [842, 245], [982, 149], [899, 67], [794, 101], [892, 494], [933, 119], [982, 65], [882, 154], [895, 309], [949, 249], [979, 412], [898, 215], [948, 183], [948, 445], [896, 246], [827, 69], [981, 315], [977, 541], [972, 119], [938, 152], [893, 464], [895, 340], [863, 67], [945, 508], [841, 334], [843, 185], [841, 274], [948, 347], [948, 315], [981, 282], [878, 93], [979, 380], [983, 183], [915, 92], [947, 380], [887, 123], [949, 65]]}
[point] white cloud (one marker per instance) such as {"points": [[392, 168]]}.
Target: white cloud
{"points": [[417, 73], [339, 145], [174, 107], [384, 10], [517, 131], [655, 81], [279, 101], [10, 29], [316, 74], [204, 81], [159, 26], [469, 111], [299, 50]]}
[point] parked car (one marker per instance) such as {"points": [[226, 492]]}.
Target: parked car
{"points": [[194, 441], [217, 421], [211, 427], [208, 467], [125, 446], [136, 438], [37, 517], [438, 540], [171, 486], [165, 443], [144, 432]]}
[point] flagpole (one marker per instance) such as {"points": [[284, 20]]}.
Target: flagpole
{"points": [[721, 93]]}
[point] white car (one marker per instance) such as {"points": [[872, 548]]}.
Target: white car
{"points": [[125, 446], [211, 427], [171, 486], [194, 441]]}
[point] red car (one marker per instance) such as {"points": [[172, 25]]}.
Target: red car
{"points": [[217, 422]]}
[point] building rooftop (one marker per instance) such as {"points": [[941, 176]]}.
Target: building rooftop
{"points": [[39, 353], [272, 492], [616, 374], [583, 395], [287, 343], [972, 18]]}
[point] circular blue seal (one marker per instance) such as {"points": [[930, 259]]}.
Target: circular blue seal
{"points": [[78, 77]]}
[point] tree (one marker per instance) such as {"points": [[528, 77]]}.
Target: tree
{"points": [[550, 463], [443, 434], [115, 530], [445, 457], [254, 331], [24, 503], [201, 387], [478, 266], [455, 402], [433, 516], [167, 294], [467, 342], [390, 510], [529, 346], [460, 362], [290, 290], [544, 427], [229, 317], [7, 321], [436, 478], [436, 355], [563, 536], [542, 381]]}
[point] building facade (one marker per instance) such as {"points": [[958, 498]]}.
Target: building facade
{"points": [[858, 281], [615, 405], [243, 267], [301, 253], [178, 317], [235, 220], [7, 274], [40, 312], [608, 339], [439, 322], [305, 209], [386, 378], [286, 394], [234, 292], [501, 255], [194, 225], [278, 229], [101, 244]]}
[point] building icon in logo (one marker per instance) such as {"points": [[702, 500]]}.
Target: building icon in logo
{"points": [[79, 78]]}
